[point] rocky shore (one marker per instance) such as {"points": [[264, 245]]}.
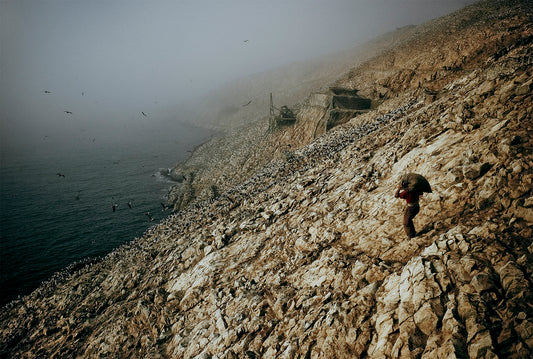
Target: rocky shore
{"points": [[307, 256]]}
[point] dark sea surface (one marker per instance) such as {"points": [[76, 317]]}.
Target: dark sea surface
{"points": [[48, 221]]}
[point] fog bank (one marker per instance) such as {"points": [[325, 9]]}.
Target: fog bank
{"points": [[79, 71]]}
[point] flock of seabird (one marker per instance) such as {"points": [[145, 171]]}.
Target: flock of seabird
{"points": [[83, 93], [115, 205], [147, 213]]}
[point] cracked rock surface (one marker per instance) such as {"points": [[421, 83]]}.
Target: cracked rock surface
{"points": [[308, 258]]}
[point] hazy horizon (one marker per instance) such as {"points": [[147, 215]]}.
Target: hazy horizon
{"points": [[74, 70]]}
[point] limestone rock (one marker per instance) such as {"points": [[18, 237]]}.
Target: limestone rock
{"points": [[425, 319], [274, 256], [475, 170], [524, 213]]}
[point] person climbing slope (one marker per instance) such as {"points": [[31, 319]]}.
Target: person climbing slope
{"points": [[412, 186]]}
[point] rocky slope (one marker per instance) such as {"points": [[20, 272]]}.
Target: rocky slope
{"points": [[307, 258], [240, 111], [424, 58]]}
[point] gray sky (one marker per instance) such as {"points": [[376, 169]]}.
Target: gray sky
{"points": [[108, 60]]}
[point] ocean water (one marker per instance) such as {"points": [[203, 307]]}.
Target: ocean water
{"points": [[56, 207]]}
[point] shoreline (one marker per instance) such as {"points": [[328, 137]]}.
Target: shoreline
{"points": [[37, 277]]}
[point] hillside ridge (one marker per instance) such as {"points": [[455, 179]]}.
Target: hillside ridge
{"points": [[299, 250]]}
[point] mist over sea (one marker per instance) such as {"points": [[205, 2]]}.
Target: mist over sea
{"points": [[56, 203]]}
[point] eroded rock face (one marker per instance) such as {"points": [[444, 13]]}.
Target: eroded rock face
{"points": [[308, 257]]}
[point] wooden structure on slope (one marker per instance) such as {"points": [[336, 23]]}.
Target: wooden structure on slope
{"points": [[284, 116]]}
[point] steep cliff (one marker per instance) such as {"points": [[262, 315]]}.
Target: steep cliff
{"points": [[308, 258]]}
